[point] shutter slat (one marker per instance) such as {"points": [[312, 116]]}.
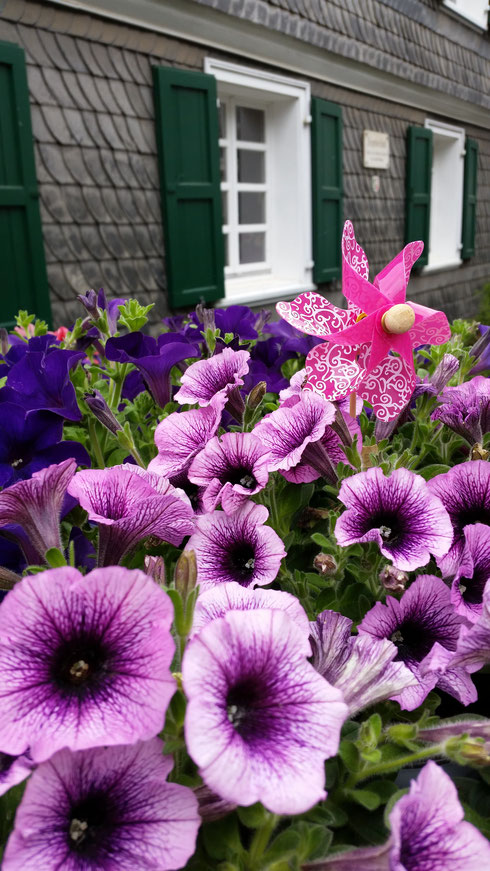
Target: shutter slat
{"points": [[469, 199], [418, 187], [23, 276], [326, 156], [188, 156]]}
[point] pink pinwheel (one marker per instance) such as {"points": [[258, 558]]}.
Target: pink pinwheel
{"points": [[356, 354]]}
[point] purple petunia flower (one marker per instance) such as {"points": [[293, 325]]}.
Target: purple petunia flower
{"points": [[180, 436], [106, 808], [399, 513], [13, 770], [128, 504], [466, 409], [84, 660], [465, 493], [154, 359], [421, 619], [481, 351], [473, 572], [36, 505], [267, 358], [218, 601], [236, 547], [473, 647], [361, 667], [230, 469], [292, 340], [31, 441], [428, 830], [260, 721], [428, 833], [210, 382], [293, 435]]}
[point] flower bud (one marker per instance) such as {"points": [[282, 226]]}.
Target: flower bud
{"points": [[393, 579], [256, 395], [325, 564], [185, 575], [4, 341], [89, 301], [155, 568], [99, 408]]}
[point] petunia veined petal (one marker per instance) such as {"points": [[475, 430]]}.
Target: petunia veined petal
{"points": [[84, 660], [210, 382], [472, 573], [260, 721], [36, 505], [361, 667], [428, 830], [14, 769], [231, 469], [473, 647], [217, 601], [180, 436], [106, 808], [400, 513]]}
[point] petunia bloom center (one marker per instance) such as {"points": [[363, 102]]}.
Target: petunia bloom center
{"points": [[242, 476], [243, 709], [79, 663], [388, 525], [91, 826], [241, 561], [413, 641], [471, 589]]}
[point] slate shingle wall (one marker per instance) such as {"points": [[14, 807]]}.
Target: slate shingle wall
{"points": [[93, 124]]}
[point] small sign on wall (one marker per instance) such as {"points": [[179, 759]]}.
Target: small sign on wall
{"points": [[376, 150]]}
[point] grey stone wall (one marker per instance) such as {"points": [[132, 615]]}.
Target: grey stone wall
{"points": [[93, 125]]}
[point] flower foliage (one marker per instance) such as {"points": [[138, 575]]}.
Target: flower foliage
{"points": [[236, 615]]}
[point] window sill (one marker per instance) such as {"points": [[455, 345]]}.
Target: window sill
{"points": [[441, 267], [262, 290]]}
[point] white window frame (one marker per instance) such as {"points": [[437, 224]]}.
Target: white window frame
{"points": [[446, 196], [475, 11], [288, 267]]}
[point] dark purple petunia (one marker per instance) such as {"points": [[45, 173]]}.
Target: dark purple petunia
{"points": [[40, 380], [465, 493], [36, 506], [472, 573], [236, 547], [428, 833], [361, 667], [30, 442], [84, 660], [129, 504], [423, 618], [266, 360], [291, 339], [466, 409], [104, 809], [260, 721], [154, 358], [400, 513], [481, 351], [230, 469]]}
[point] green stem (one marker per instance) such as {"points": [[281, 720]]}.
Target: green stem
{"points": [[261, 840], [394, 764], [95, 444]]}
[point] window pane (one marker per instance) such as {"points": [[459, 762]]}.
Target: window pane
{"points": [[251, 247], [222, 120], [225, 243], [222, 163], [251, 166], [224, 206], [250, 125], [251, 208]]}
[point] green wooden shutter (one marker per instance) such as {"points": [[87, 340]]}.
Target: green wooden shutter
{"points": [[418, 185], [188, 155], [23, 280], [469, 199], [326, 159]]}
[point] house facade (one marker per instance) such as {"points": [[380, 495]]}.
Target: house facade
{"points": [[187, 150]]}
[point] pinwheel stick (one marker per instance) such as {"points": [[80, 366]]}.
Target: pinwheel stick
{"points": [[352, 404]]}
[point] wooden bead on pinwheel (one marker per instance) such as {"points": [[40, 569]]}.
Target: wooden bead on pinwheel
{"points": [[398, 319]]}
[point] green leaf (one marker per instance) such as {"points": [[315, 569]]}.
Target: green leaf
{"points": [[429, 472], [55, 558], [321, 540], [349, 754], [364, 797], [254, 816], [222, 838]]}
